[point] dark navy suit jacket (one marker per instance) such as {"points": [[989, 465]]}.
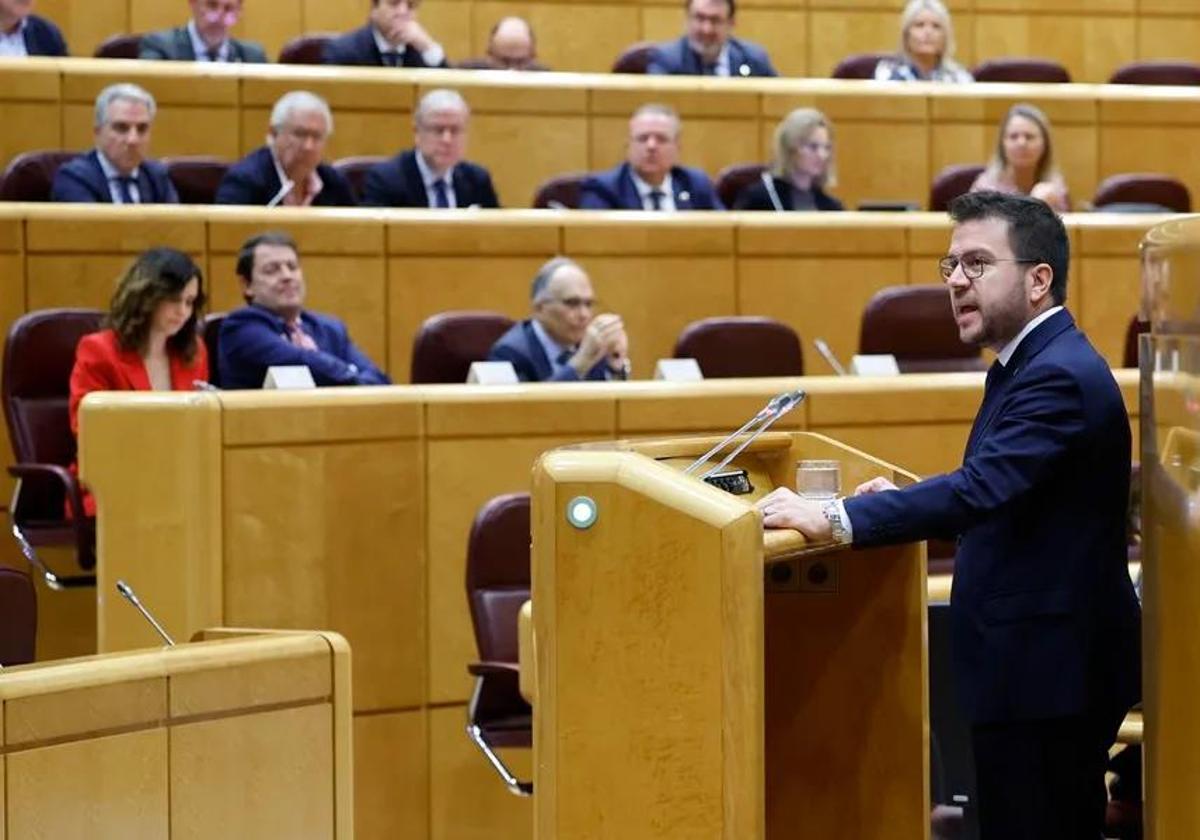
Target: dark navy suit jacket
{"points": [[42, 37], [1045, 620], [358, 48], [521, 347], [253, 339], [176, 45], [677, 58], [397, 182], [254, 180], [82, 179], [613, 189]]}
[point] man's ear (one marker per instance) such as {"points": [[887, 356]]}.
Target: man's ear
{"points": [[1039, 278]]}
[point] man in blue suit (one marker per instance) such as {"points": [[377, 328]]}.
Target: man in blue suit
{"points": [[1046, 626], [564, 341], [391, 38], [433, 174], [117, 171], [708, 48], [650, 178], [22, 33], [276, 329]]}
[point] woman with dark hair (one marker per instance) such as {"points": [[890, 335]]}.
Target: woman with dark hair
{"points": [[151, 340]]}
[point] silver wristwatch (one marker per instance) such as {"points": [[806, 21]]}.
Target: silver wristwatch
{"points": [[836, 527]]}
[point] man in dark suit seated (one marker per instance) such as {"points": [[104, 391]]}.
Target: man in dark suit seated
{"points": [[22, 33], [433, 174], [650, 179], [117, 171], [204, 38], [391, 38], [275, 328], [1045, 622], [288, 171], [564, 341], [708, 48]]}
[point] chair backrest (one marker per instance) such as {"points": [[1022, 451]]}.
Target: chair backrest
{"points": [[120, 46], [634, 59], [306, 49], [212, 343], [448, 342], [354, 169], [950, 183], [1021, 70], [39, 354], [1146, 188], [561, 191], [916, 325], [859, 65], [196, 178], [18, 617], [1157, 73], [30, 175], [498, 574], [1132, 339], [741, 345], [733, 179]]}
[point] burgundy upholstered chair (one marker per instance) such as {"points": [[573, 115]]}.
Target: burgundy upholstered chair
{"points": [[1157, 73], [306, 49], [212, 343], [741, 346], [561, 192], [733, 179], [120, 46], [1021, 70], [950, 183], [916, 325], [354, 169], [449, 342], [38, 356], [30, 175], [18, 617], [196, 178], [634, 59], [859, 65], [1143, 189], [497, 586]]}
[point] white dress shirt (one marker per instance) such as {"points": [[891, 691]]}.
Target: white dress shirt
{"points": [[666, 203], [12, 44], [112, 175], [201, 49]]}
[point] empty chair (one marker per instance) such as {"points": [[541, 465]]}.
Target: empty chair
{"points": [[859, 65], [497, 586], [18, 617], [741, 345], [916, 325], [196, 178], [30, 175], [634, 59], [120, 46], [306, 49], [951, 182], [1157, 73], [38, 356], [561, 192], [354, 169], [1144, 191], [1021, 70], [449, 342], [212, 343], [733, 179]]}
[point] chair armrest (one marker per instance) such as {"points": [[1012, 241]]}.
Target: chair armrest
{"points": [[71, 488], [492, 668]]}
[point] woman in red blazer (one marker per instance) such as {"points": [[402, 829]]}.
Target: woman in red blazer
{"points": [[151, 341]]}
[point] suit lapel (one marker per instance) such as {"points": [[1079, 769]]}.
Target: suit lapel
{"points": [[544, 369], [464, 196], [681, 185], [96, 178], [626, 191], [134, 369], [183, 43], [689, 59], [410, 175]]}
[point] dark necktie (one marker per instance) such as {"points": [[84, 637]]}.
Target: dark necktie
{"points": [[656, 199], [994, 375], [123, 189], [564, 357], [440, 198], [708, 70], [214, 53], [391, 59]]}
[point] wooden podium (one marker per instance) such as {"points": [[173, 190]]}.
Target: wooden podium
{"points": [[697, 678], [247, 735]]}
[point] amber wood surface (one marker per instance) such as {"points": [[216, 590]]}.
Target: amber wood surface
{"points": [[239, 737]]}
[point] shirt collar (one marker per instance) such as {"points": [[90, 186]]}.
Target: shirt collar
{"points": [[429, 176], [110, 170], [644, 189], [18, 31], [551, 347], [384, 45], [1006, 353], [295, 198], [200, 48]]}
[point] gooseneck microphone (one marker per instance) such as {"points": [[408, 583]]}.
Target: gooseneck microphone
{"points": [[827, 355], [128, 594], [760, 422]]}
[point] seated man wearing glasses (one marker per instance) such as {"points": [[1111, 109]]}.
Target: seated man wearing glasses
{"points": [[563, 341]]}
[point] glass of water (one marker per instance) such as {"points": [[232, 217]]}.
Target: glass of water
{"points": [[818, 480]]}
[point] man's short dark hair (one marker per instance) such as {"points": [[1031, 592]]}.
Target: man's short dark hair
{"points": [[687, 7], [245, 258], [1035, 232]]}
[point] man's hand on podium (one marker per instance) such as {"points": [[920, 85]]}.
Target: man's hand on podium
{"points": [[782, 508]]}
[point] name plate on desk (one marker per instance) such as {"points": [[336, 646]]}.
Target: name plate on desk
{"points": [[877, 364], [289, 378], [678, 370], [492, 373]]}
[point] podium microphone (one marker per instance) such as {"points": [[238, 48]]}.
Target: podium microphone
{"points": [[128, 594], [828, 356], [772, 411]]}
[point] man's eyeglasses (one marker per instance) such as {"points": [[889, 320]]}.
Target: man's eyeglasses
{"points": [[575, 302], [973, 265]]}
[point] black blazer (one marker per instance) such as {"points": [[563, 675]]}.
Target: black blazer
{"points": [[254, 181], [397, 182], [675, 58], [82, 179], [358, 48], [754, 196], [176, 45], [43, 38]]}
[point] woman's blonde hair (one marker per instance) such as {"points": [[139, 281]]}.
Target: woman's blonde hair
{"points": [[1046, 168], [157, 275], [795, 129], [914, 8]]}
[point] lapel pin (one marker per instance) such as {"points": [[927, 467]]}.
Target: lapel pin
{"points": [[744, 70], [684, 195]]}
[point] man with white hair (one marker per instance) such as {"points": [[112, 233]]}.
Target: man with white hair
{"points": [[117, 170], [288, 171], [434, 173]]}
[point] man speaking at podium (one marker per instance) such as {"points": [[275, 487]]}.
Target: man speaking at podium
{"points": [[1046, 627]]}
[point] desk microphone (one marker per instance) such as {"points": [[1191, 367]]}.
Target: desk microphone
{"points": [[828, 356], [288, 186], [128, 594], [768, 414]]}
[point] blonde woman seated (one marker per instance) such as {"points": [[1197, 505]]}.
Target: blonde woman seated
{"points": [[1024, 160], [926, 47], [803, 167]]}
